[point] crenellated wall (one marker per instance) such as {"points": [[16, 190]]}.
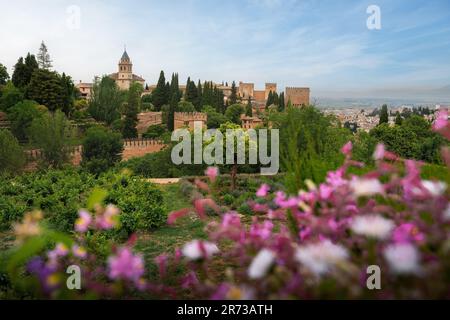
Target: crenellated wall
{"points": [[132, 148]]}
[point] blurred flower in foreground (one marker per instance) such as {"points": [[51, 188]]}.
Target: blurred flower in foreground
{"points": [[212, 173], [126, 265], [29, 226], [261, 264], [402, 258], [262, 191], [198, 249], [373, 226], [321, 257], [83, 222]]}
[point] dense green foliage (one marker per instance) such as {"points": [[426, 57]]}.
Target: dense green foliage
{"points": [[11, 154], [53, 135], [102, 149], [106, 101], [4, 76], [60, 194], [21, 116], [233, 113], [52, 90], [309, 144], [10, 97], [155, 131], [131, 111], [412, 139], [23, 70]]}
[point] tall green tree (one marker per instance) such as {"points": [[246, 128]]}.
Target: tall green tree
{"points": [[233, 95], [43, 57], [23, 70], [106, 101], [270, 100], [131, 111], [249, 108], [4, 76], [50, 89], [191, 94], [281, 103], [398, 119], [171, 113], [384, 115], [159, 94], [199, 103]]}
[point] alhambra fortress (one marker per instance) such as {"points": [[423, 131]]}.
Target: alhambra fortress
{"points": [[124, 77]]}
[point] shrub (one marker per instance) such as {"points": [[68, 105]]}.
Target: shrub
{"points": [[21, 117], [53, 134], [11, 154], [141, 202], [155, 131], [102, 149]]}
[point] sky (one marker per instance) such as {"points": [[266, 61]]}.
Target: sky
{"points": [[324, 45]]}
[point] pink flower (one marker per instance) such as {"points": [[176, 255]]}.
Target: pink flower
{"points": [[325, 191], [125, 265], [263, 231], [407, 232], [231, 219], [305, 233], [335, 178], [83, 222], [60, 250], [79, 251], [108, 220], [347, 148], [263, 190], [212, 173], [283, 202], [441, 120], [379, 152]]}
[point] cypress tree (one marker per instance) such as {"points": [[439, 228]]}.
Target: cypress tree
{"points": [[159, 94], [384, 116], [233, 95], [248, 108], [398, 119], [199, 103], [281, 104]]}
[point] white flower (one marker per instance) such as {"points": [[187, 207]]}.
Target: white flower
{"points": [[435, 188], [261, 264], [373, 226], [321, 257], [197, 249], [366, 187], [402, 258]]}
